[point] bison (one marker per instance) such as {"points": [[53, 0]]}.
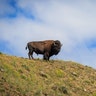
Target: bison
{"points": [[47, 48]]}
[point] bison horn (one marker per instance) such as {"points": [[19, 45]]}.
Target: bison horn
{"points": [[54, 44]]}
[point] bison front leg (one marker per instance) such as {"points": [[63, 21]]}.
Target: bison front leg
{"points": [[46, 56]]}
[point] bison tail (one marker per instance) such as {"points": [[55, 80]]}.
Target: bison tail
{"points": [[26, 47]]}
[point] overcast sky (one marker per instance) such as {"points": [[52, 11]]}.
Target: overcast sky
{"points": [[73, 22]]}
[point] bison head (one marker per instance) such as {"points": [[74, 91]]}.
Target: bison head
{"points": [[56, 47]]}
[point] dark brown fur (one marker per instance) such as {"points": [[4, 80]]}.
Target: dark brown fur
{"points": [[47, 48]]}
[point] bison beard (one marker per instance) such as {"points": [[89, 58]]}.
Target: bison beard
{"points": [[47, 48]]}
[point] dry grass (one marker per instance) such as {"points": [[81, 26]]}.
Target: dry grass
{"points": [[23, 77]]}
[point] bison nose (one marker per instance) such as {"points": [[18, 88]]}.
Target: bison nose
{"points": [[61, 45]]}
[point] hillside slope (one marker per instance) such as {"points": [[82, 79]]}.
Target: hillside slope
{"points": [[23, 77]]}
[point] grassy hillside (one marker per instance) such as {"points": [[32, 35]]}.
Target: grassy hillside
{"points": [[23, 77]]}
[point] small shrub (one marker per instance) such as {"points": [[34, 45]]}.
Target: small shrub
{"points": [[2, 90], [1, 53], [94, 94], [63, 90], [23, 77], [20, 71], [26, 67], [14, 63], [60, 88], [59, 73], [38, 93]]}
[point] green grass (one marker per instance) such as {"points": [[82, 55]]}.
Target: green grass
{"points": [[24, 77]]}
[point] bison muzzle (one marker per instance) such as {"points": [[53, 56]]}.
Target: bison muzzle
{"points": [[47, 48]]}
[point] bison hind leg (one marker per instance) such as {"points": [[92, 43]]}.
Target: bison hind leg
{"points": [[30, 54]]}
